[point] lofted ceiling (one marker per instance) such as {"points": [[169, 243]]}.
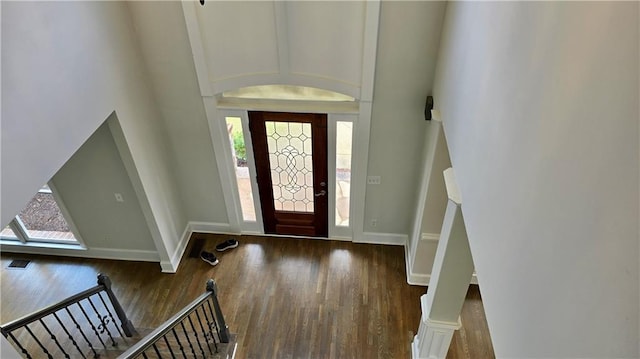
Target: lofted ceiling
{"points": [[317, 44]]}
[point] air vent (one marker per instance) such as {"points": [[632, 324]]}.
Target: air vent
{"points": [[19, 263]]}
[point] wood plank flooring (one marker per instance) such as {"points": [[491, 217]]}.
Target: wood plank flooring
{"points": [[285, 298]]}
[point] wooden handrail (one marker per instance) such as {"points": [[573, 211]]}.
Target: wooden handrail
{"points": [[168, 326], [30, 318], [104, 284], [125, 323], [101, 328]]}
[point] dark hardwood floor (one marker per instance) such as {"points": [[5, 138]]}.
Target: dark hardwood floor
{"points": [[285, 298]]}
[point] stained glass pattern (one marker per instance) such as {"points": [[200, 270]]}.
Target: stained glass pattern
{"points": [[291, 165]]}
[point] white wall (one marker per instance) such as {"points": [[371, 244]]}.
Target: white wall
{"points": [[66, 66], [404, 73], [540, 108], [407, 47], [163, 39], [87, 183]]}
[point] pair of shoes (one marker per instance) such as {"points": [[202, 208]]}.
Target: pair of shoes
{"points": [[228, 244], [209, 258]]}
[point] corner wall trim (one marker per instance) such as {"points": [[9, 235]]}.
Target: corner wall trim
{"points": [[172, 265], [414, 278], [395, 239], [124, 254]]}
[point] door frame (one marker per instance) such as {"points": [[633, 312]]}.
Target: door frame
{"points": [[228, 181], [317, 220], [211, 89], [226, 169]]}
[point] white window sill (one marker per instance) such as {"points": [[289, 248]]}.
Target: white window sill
{"points": [[8, 244]]}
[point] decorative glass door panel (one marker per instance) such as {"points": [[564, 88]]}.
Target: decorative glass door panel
{"points": [[291, 164]]}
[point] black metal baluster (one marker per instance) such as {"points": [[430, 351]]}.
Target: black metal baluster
{"points": [[127, 326], [53, 337], [95, 330], [144, 355], [213, 316], [175, 335], [113, 319], [224, 329], [44, 349], [211, 325], [193, 351], [204, 332], [60, 347], [155, 348], [95, 354], [22, 349], [195, 333], [73, 341], [104, 324], [168, 346]]}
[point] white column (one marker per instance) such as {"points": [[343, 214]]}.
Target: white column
{"points": [[450, 278], [423, 240]]}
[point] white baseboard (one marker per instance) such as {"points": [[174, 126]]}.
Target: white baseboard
{"points": [[474, 278], [168, 267], [100, 253], [418, 279], [124, 254], [340, 239], [407, 261], [415, 278], [172, 265], [200, 227], [210, 227], [412, 278], [395, 239], [422, 279]]}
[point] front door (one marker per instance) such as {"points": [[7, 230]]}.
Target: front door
{"points": [[290, 151]]}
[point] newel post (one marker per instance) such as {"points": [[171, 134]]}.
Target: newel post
{"points": [[224, 329], [450, 277], [125, 323]]}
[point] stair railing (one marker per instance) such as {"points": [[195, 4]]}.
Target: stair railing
{"points": [[195, 331], [72, 327]]}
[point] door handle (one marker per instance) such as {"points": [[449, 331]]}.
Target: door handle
{"points": [[321, 193]]}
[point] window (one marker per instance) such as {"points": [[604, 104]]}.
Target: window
{"points": [[239, 159], [41, 221], [344, 132], [242, 197], [287, 92]]}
